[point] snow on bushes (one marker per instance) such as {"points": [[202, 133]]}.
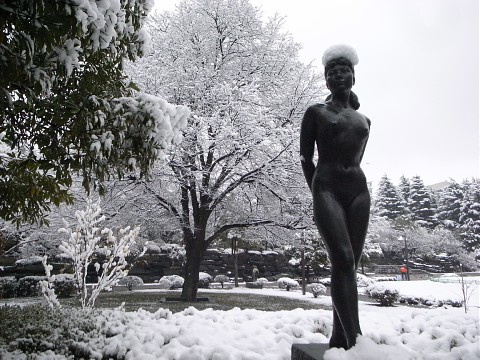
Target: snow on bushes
{"points": [[399, 333], [204, 280], [287, 283], [222, 279], [171, 282], [8, 287], [130, 281], [386, 297], [80, 246], [316, 289]]}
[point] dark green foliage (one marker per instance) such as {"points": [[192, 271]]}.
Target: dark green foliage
{"points": [[50, 109], [29, 286], [385, 297], [65, 286], [8, 287]]}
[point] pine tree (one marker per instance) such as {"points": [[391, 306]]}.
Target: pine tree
{"points": [[404, 192], [470, 216], [421, 204], [388, 202], [449, 205]]}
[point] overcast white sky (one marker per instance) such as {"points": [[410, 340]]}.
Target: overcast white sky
{"points": [[417, 79]]}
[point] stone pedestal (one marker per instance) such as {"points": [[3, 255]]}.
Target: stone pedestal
{"points": [[309, 351]]}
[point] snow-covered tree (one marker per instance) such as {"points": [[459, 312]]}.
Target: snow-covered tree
{"points": [[247, 91], [404, 190], [449, 205], [388, 202], [470, 216], [420, 204], [66, 106], [87, 239]]}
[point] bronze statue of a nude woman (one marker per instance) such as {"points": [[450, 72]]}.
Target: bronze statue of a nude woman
{"points": [[341, 199]]}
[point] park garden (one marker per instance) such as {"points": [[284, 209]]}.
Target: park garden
{"points": [[129, 134]]}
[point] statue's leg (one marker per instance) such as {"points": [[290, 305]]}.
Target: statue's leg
{"points": [[358, 214], [331, 221], [338, 338]]}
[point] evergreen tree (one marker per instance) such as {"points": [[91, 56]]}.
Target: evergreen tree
{"points": [[470, 216], [404, 192], [449, 205], [66, 106], [420, 204], [388, 202]]}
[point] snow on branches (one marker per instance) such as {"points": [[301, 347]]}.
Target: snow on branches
{"points": [[86, 241]]}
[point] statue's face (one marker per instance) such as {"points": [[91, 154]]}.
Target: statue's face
{"points": [[339, 77]]}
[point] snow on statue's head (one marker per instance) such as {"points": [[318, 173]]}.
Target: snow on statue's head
{"points": [[339, 54]]}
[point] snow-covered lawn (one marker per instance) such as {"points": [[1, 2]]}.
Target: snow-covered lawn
{"points": [[394, 333]]}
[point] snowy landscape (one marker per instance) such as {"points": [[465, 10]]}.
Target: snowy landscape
{"points": [[400, 332], [164, 144]]}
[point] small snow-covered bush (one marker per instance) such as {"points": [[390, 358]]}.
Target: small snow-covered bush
{"points": [[386, 297], [30, 285], [316, 289], [204, 280], [64, 285], [325, 281], [171, 282], [130, 281], [221, 279], [261, 281], [364, 281], [8, 287], [287, 283]]}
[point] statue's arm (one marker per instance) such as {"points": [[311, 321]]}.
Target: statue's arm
{"points": [[307, 144], [365, 145]]}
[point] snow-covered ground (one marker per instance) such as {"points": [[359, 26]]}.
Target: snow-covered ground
{"points": [[394, 333]]}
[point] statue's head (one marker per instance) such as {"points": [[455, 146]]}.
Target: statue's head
{"points": [[339, 55], [342, 55]]}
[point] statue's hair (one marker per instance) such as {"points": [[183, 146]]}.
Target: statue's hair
{"points": [[338, 61]]}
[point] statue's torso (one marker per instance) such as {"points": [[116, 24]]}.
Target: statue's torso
{"points": [[341, 135]]}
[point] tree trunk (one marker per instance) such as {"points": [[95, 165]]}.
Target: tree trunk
{"points": [[235, 260], [192, 270]]}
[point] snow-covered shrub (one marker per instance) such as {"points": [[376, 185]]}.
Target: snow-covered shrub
{"points": [[130, 282], [86, 239], [175, 252], [8, 287], [386, 297], [38, 331], [316, 289], [325, 281], [33, 260], [30, 285], [287, 283], [64, 285], [47, 286], [261, 281], [171, 282], [204, 280], [364, 281], [222, 279]]}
